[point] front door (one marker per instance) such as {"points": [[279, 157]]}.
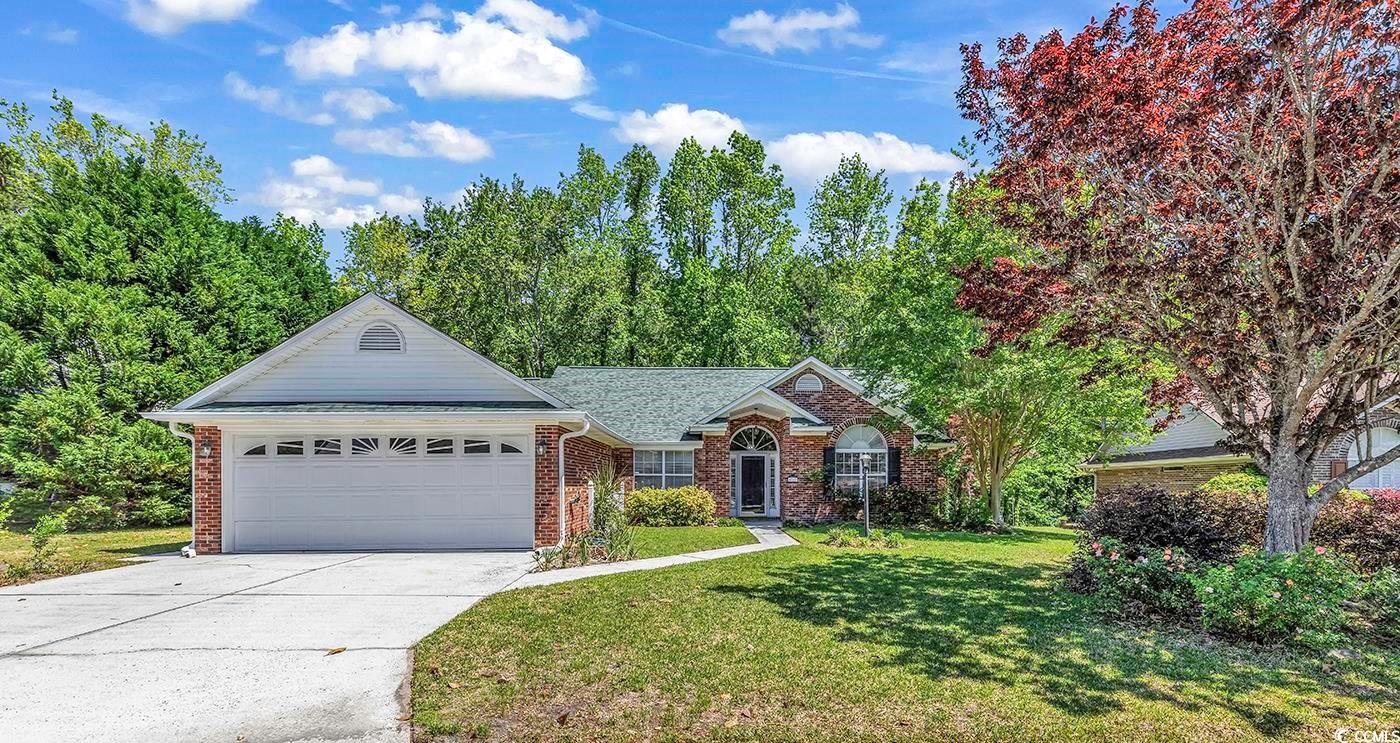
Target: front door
{"points": [[752, 482]]}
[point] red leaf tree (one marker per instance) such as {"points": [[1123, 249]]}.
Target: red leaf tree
{"points": [[1220, 190]]}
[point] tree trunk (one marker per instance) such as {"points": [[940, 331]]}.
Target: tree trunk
{"points": [[994, 500], [1290, 517]]}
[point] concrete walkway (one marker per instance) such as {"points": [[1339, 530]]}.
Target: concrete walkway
{"points": [[769, 533]]}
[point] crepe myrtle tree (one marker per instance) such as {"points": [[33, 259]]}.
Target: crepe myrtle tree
{"points": [[1219, 190]]}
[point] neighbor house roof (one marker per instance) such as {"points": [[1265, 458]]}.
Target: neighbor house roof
{"points": [[649, 404], [480, 406]]}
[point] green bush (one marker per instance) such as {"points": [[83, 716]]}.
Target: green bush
{"points": [[1277, 598], [1237, 482], [729, 521], [93, 512], [1377, 607], [41, 547], [1136, 584], [155, 511], [687, 506], [844, 536], [841, 536]]}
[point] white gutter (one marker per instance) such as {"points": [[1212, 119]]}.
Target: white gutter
{"points": [[187, 550], [572, 434]]}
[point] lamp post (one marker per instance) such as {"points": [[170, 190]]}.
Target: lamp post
{"points": [[865, 490]]}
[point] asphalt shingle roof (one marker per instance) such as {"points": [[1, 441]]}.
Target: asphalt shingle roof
{"points": [[375, 407], [651, 403]]}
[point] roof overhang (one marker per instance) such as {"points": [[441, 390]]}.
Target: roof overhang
{"points": [[1170, 462], [812, 363], [758, 401]]}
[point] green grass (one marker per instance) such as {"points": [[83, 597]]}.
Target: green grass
{"points": [[660, 541], [952, 637], [87, 551]]}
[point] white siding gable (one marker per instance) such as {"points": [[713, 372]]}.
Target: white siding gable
{"points": [[331, 369], [1193, 430]]}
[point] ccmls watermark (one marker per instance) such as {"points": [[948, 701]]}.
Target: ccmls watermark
{"points": [[1367, 735]]}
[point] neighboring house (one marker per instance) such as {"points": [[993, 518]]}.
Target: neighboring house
{"points": [[373, 430], [1189, 452]]}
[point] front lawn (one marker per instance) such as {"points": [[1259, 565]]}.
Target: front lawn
{"points": [[661, 541], [953, 637], [87, 551]]}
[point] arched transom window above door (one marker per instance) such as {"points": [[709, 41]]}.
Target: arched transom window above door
{"points": [[855, 442], [753, 438]]}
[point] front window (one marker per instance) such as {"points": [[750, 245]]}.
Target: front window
{"points": [[855, 443], [1381, 441], [658, 468]]}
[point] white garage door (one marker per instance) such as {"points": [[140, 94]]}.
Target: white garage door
{"points": [[381, 491]]}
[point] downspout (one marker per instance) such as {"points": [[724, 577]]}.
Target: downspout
{"points": [[562, 500], [187, 550]]}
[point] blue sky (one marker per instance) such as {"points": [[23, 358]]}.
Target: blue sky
{"points": [[336, 109]]}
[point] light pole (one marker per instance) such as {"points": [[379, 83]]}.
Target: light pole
{"points": [[865, 490]]}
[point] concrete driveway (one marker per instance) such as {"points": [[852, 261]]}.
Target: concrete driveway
{"points": [[231, 647]]}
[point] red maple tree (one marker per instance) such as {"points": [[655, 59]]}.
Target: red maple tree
{"points": [[1221, 190]]}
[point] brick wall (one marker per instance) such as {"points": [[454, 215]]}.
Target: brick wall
{"points": [[582, 458], [208, 491], [1173, 479], [712, 471]]}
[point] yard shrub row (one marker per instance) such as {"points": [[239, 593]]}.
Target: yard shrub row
{"points": [[1194, 557], [687, 506]]}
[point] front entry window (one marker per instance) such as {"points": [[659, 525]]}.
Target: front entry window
{"points": [[856, 442]]}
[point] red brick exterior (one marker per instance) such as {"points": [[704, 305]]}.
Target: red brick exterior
{"points": [[208, 491], [802, 496], [1173, 479], [582, 458]]}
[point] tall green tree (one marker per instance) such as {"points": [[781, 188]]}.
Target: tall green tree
{"points": [[121, 290], [1002, 404]]}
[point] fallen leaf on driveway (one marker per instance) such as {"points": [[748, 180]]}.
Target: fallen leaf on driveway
{"points": [[404, 718], [335, 651]]}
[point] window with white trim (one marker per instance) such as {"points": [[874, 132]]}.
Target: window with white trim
{"points": [[1382, 440], [663, 468], [809, 383], [857, 442]]}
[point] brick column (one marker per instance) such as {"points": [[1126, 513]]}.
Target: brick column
{"points": [[208, 491], [712, 472], [547, 486]]}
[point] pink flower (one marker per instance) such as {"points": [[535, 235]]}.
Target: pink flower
{"points": [[1167, 553], [1098, 553], [1278, 595], [1319, 550], [1210, 589], [1096, 546], [1288, 582], [1113, 555]]}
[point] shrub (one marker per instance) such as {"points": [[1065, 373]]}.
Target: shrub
{"points": [[1208, 526], [844, 536], [1377, 607], [91, 512], [155, 511], [687, 506], [1129, 583], [41, 547], [1047, 491], [1274, 598], [1237, 482], [729, 521], [896, 505], [1365, 526]]}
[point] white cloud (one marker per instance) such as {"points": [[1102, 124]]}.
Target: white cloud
{"points": [[529, 18], [433, 139], [387, 9], [673, 122], [594, 111], [361, 104], [165, 17], [264, 49], [273, 101], [505, 50], [809, 156], [319, 190], [803, 29], [429, 12], [923, 59], [62, 35]]}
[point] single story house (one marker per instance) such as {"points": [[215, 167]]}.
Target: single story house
{"points": [[1189, 451], [373, 430]]}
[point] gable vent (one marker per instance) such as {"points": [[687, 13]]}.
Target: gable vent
{"points": [[808, 383], [381, 336]]}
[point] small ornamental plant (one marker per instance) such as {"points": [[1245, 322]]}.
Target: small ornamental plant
{"points": [[1130, 584], [842, 536], [1278, 598]]}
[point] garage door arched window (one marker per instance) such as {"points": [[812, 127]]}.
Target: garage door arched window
{"points": [[854, 443], [381, 337], [1382, 441]]}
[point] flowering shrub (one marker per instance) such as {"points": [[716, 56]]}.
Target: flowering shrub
{"points": [[688, 506], [1210, 526], [1132, 584], [1274, 598], [1365, 525]]}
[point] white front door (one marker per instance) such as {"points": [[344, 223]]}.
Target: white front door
{"points": [[379, 490]]}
